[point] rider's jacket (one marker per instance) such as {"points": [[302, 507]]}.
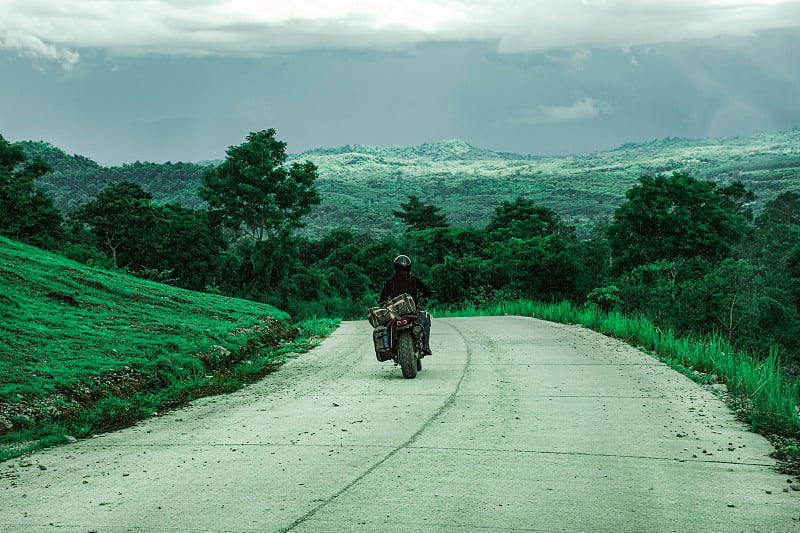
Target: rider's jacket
{"points": [[404, 282]]}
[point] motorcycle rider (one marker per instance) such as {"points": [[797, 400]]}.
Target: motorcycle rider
{"points": [[404, 282]]}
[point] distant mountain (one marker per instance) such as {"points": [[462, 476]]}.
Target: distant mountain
{"points": [[360, 185], [452, 150]]}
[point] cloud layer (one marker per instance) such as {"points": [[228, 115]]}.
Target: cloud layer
{"points": [[59, 29], [583, 109]]}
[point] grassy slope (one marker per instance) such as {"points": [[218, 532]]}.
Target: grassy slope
{"points": [[75, 339]]}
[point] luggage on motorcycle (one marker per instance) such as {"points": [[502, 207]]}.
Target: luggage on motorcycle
{"points": [[402, 305], [380, 337], [379, 316]]}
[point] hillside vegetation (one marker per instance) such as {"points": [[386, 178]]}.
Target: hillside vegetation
{"points": [[84, 349], [360, 185]]}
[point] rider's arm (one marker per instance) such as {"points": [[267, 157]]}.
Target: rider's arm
{"points": [[422, 290], [385, 293]]}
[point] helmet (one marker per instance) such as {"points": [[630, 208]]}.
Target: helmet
{"points": [[402, 264]]}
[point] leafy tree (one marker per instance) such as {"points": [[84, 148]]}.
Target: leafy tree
{"points": [[123, 221], [26, 212], [375, 260], [604, 298], [542, 267], [432, 246], [522, 219], [778, 232], [737, 198], [461, 279], [417, 215], [793, 265], [669, 218], [186, 244], [783, 210], [254, 191]]}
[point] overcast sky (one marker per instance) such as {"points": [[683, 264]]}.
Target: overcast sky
{"points": [[181, 80]]}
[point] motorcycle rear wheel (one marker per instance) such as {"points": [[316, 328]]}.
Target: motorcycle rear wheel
{"points": [[405, 352]]}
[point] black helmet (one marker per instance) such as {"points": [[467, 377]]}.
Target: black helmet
{"points": [[402, 264]]}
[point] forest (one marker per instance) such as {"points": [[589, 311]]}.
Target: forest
{"points": [[692, 255]]}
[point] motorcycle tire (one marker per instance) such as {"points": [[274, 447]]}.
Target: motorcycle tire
{"points": [[405, 352]]}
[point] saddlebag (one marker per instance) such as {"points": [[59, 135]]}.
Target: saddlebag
{"points": [[379, 316], [402, 305], [380, 337]]}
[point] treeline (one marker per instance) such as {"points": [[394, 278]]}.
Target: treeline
{"points": [[688, 254], [74, 180]]}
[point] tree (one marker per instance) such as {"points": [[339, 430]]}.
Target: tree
{"points": [[778, 232], [185, 244], [522, 219], [782, 211], [417, 215], [432, 246], [26, 212], [672, 218], [254, 191], [122, 220]]}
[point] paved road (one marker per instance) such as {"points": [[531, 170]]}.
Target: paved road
{"points": [[513, 425]]}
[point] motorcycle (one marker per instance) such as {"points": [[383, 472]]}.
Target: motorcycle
{"points": [[399, 334], [406, 333]]}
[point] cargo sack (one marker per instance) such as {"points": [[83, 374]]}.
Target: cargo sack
{"points": [[402, 305], [379, 316], [380, 337]]}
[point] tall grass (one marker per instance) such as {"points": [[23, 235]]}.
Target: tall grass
{"points": [[774, 397]]}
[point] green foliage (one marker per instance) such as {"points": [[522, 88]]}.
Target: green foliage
{"points": [[417, 215], [604, 298], [26, 212], [782, 211], [122, 220], [461, 279], [669, 218], [187, 245], [522, 219], [778, 232], [254, 191]]}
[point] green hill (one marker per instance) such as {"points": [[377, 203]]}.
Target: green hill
{"points": [[76, 179], [84, 349], [360, 185]]}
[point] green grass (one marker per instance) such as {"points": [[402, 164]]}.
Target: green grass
{"points": [[772, 397], [84, 350]]}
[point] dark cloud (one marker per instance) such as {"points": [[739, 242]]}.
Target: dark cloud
{"points": [[157, 107], [57, 29]]}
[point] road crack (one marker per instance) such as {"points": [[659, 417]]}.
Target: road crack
{"points": [[449, 402]]}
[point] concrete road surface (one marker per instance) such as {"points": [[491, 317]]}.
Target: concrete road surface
{"points": [[514, 424]]}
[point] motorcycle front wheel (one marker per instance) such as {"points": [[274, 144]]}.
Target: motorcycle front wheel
{"points": [[405, 352]]}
